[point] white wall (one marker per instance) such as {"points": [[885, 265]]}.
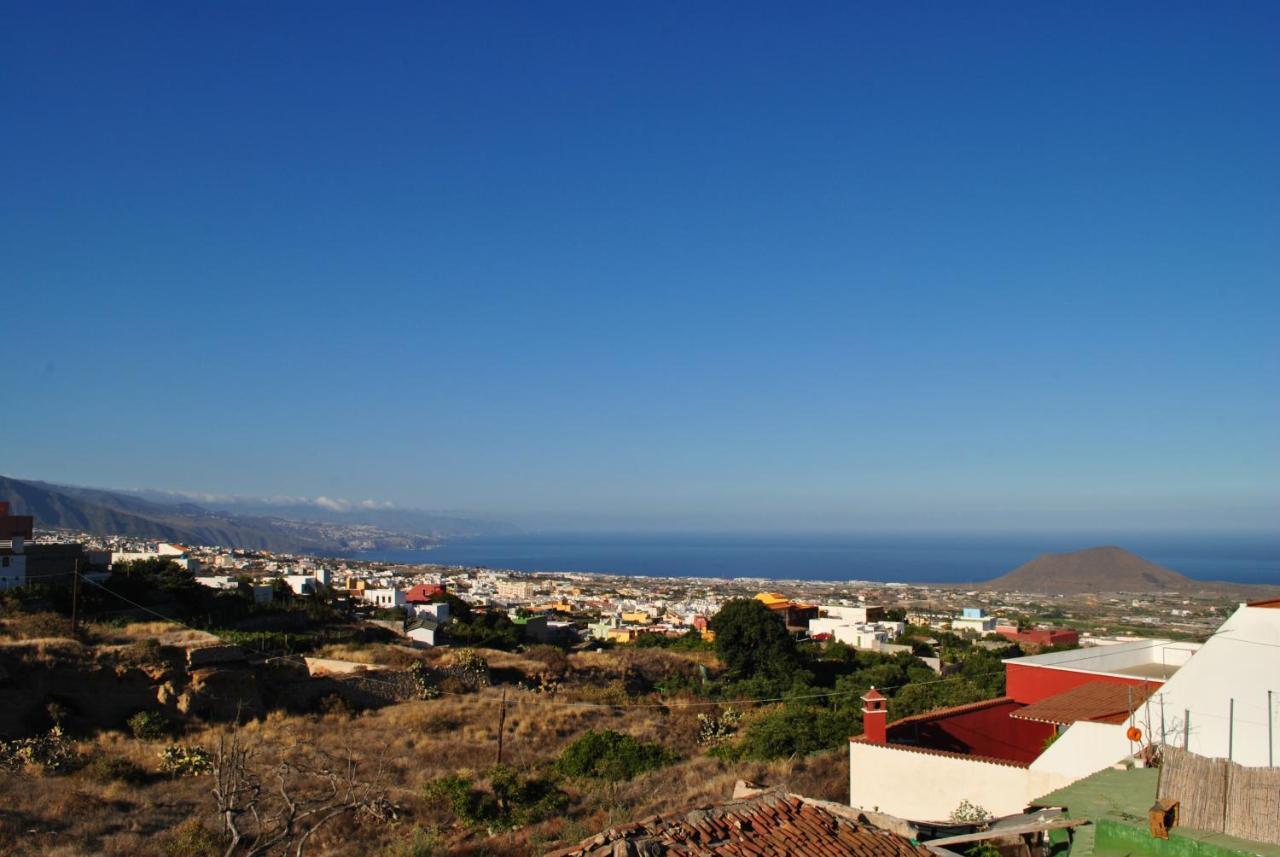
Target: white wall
{"points": [[217, 581], [977, 625], [826, 625], [1108, 659], [1086, 748], [439, 611], [1241, 662], [422, 637], [384, 597], [300, 583], [928, 787], [848, 615], [15, 574]]}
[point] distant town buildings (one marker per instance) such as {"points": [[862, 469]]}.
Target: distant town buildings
{"points": [[1041, 637], [515, 590], [861, 626], [975, 620]]}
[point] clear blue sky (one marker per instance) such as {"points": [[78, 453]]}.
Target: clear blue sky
{"points": [[629, 264]]}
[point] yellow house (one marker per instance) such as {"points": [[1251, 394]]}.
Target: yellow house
{"points": [[636, 618], [620, 635], [772, 599]]}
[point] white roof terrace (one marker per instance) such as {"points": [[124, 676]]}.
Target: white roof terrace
{"points": [[1155, 659]]}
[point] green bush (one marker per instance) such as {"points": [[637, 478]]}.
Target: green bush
{"points": [[513, 798], [51, 753], [610, 755], [149, 726], [182, 761], [790, 731]]}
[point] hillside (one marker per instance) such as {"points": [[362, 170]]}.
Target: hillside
{"points": [[106, 513], [1102, 569]]}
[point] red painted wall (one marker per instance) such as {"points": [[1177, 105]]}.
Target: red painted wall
{"points": [[14, 525], [1027, 683], [985, 732]]}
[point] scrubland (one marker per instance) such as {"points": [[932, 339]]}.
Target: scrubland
{"points": [[117, 799]]}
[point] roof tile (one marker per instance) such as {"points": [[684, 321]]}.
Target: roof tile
{"points": [[769, 824]]}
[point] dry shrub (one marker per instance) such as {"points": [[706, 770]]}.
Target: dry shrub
{"points": [[192, 839], [36, 626], [109, 769], [554, 661], [378, 654]]}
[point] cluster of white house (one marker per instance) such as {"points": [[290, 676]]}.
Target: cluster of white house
{"points": [[862, 627]]}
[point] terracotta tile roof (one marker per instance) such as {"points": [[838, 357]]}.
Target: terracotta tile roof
{"points": [[770, 824], [1099, 701], [423, 592]]}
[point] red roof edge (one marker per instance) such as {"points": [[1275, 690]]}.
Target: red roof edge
{"points": [[940, 713]]}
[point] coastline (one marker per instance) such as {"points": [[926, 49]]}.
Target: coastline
{"points": [[933, 559]]}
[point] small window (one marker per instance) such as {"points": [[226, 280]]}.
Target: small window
{"points": [[5, 564]]}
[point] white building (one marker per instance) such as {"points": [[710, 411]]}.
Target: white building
{"points": [[13, 563], [860, 615], [436, 612], [1221, 702], [217, 581], [388, 597], [515, 590], [973, 619], [302, 584], [423, 633], [850, 626]]}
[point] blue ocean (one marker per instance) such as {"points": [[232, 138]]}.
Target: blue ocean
{"points": [[912, 558]]}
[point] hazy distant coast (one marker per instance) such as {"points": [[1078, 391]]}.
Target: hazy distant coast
{"points": [[906, 558]]}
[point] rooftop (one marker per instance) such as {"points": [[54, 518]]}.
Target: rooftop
{"points": [[1096, 701], [765, 824], [1155, 659]]}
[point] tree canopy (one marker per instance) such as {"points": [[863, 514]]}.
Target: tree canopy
{"points": [[753, 640]]}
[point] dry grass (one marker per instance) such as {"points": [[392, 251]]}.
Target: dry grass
{"points": [[164, 633], [374, 654], [411, 743]]}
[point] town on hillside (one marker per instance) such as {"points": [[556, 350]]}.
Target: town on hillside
{"points": [[431, 709]]}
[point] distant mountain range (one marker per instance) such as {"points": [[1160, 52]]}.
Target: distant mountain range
{"points": [[1103, 569], [289, 525]]}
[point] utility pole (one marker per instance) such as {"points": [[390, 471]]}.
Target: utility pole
{"points": [[502, 720], [75, 599], [1231, 729]]}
